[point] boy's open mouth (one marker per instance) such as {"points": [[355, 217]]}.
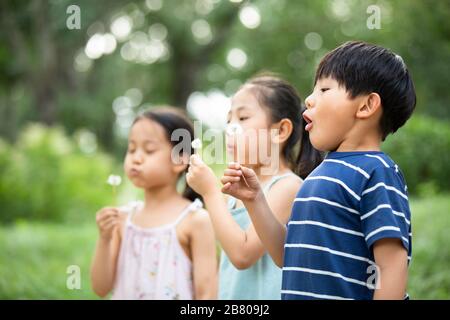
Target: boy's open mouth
{"points": [[309, 124]]}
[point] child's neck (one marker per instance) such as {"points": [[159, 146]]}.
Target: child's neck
{"points": [[156, 196], [265, 173], [361, 142]]}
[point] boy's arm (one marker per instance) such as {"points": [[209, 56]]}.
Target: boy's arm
{"points": [[392, 260], [271, 232], [387, 232], [243, 247], [204, 257]]}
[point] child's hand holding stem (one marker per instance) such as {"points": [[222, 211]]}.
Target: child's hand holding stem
{"points": [[245, 189], [107, 220], [269, 229], [200, 177]]}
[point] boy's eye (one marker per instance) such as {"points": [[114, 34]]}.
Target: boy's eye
{"points": [[324, 89], [243, 118]]}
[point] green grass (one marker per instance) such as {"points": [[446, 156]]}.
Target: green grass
{"points": [[34, 257], [430, 265]]}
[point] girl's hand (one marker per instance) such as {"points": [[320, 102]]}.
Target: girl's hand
{"points": [[107, 220], [200, 177], [234, 185]]}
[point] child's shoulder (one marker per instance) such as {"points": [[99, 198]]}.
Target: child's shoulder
{"points": [[198, 219], [365, 162], [197, 213], [380, 163], [286, 186], [382, 169]]}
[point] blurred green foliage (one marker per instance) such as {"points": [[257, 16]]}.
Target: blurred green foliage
{"points": [[421, 149], [40, 59], [34, 257], [50, 176], [47, 176]]}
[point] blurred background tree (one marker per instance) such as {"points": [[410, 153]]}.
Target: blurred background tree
{"points": [[167, 50]]}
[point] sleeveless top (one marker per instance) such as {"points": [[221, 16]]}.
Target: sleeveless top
{"points": [[152, 264], [262, 281]]}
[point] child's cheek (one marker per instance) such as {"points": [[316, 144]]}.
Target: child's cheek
{"points": [[126, 164]]}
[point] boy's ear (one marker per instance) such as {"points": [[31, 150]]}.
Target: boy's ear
{"points": [[182, 163], [285, 128], [370, 105]]}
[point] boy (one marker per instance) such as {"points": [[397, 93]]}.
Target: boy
{"points": [[349, 234]]}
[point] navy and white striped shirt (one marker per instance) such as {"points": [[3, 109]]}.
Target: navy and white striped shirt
{"points": [[349, 202]]}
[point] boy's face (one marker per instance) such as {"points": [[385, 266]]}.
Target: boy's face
{"points": [[331, 114]]}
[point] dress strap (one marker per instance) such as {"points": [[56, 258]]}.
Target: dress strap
{"points": [[232, 200], [197, 204], [274, 180]]}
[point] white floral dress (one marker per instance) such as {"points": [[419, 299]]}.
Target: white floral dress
{"points": [[152, 264]]}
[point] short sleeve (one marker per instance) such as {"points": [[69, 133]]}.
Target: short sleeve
{"points": [[384, 208]]}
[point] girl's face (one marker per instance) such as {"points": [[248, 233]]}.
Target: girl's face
{"points": [[330, 114], [254, 120], [148, 162]]}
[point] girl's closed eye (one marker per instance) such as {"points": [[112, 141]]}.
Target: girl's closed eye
{"points": [[242, 118]]}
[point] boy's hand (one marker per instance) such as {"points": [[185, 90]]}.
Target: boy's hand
{"points": [[107, 220], [200, 177], [234, 185]]}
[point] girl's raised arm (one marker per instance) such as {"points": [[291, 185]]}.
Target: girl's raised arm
{"points": [[269, 216], [243, 247]]}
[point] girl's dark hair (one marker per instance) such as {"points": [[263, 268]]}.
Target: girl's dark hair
{"points": [[283, 101], [171, 118]]}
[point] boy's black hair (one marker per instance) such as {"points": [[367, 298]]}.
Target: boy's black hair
{"points": [[363, 68]]}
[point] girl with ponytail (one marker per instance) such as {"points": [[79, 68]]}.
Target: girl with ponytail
{"points": [[269, 138]]}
